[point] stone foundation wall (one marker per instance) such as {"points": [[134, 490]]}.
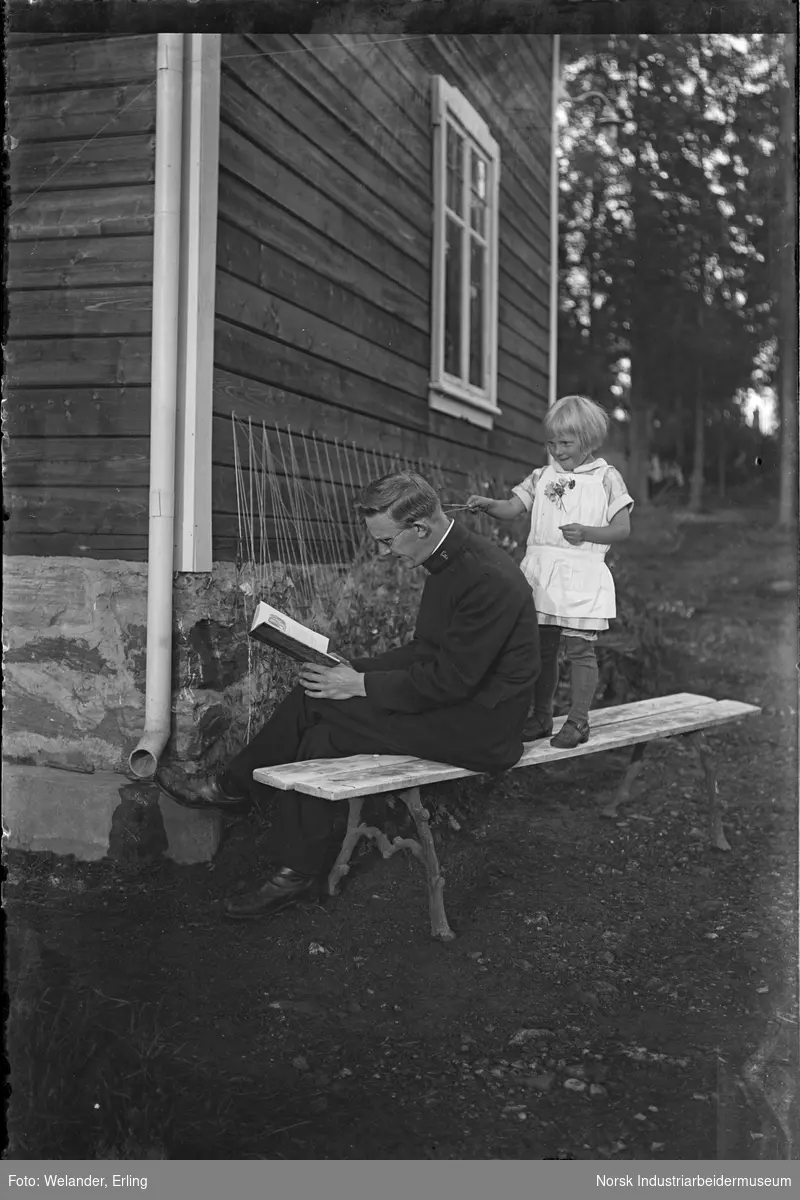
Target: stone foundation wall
{"points": [[74, 662]]}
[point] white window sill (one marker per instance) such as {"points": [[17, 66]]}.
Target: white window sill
{"points": [[462, 407]]}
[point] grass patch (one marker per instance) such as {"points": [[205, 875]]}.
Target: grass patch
{"points": [[97, 1077]]}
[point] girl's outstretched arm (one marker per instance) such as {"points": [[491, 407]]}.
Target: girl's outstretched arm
{"points": [[618, 528], [501, 510]]}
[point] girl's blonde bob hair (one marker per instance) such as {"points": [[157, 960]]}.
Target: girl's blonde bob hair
{"points": [[579, 417]]}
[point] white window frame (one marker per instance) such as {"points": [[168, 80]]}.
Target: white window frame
{"points": [[447, 393]]}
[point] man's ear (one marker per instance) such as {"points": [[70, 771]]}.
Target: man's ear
{"points": [[423, 529]]}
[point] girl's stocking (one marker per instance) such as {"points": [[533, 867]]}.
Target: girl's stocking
{"points": [[584, 672], [546, 684]]}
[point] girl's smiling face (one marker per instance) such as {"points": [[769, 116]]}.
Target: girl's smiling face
{"points": [[567, 451]]}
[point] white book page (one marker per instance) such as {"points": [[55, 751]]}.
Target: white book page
{"points": [[267, 615]]}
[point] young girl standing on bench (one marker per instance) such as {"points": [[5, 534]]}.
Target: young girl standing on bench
{"points": [[579, 506]]}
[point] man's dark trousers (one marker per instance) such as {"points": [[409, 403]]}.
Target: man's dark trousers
{"points": [[465, 735]]}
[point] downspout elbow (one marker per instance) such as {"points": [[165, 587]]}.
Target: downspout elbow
{"points": [[143, 761]]}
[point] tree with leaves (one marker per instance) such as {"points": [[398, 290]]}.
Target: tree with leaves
{"points": [[666, 292]]}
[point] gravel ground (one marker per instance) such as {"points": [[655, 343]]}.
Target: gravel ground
{"points": [[617, 989]]}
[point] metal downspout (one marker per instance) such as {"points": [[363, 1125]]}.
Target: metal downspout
{"points": [[554, 199], [163, 404]]}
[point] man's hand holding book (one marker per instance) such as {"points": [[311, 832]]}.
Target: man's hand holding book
{"points": [[323, 673], [332, 683]]}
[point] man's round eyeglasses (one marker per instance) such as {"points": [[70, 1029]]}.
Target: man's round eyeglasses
{"points": [[387, 543]]}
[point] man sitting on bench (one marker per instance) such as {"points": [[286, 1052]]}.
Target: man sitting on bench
{"points": [[458, 693]]}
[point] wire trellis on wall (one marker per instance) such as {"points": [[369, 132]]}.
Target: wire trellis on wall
{"points": [[303, 546], [296, 506]]}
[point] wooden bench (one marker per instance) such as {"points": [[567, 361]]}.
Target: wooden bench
{"points": [[363, 775]]}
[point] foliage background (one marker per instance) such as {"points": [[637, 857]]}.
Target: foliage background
{"points": [[677, 275]]}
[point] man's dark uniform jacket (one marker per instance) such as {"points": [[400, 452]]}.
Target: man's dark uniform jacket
{"points": [[476, 639], [458, 693]]}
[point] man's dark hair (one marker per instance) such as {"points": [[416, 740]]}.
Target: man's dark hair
{"points": [[404, 496]]}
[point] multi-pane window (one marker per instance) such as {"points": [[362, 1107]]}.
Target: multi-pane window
{"points": [[464, 318]]}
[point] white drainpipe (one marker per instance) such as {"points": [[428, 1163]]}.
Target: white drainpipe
{"points": [[554, 198], [163, 405]]}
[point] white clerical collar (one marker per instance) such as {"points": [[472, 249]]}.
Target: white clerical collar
{"points": [[441, 539]]}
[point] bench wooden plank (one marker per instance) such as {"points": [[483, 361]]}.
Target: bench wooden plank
{"points": [[625, 725], [644, 708], [361, 775]]}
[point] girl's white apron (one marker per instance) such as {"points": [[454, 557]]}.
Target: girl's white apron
{"points": [[572, 583]]}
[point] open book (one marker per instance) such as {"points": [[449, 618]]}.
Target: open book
{"points": [[300, 643]]}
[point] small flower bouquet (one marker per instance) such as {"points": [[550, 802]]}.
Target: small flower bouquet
{"points": [[556, 491]]}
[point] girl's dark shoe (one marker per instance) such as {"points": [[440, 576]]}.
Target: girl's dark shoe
{"points": [[285, 887], [536, 728], [571, 734]]}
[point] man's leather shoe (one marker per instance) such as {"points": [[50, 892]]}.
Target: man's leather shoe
{"points": [[285, 887], [206, 795], [536, 728]]}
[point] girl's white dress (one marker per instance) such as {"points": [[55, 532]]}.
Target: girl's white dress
{"points": [[572, 586]]}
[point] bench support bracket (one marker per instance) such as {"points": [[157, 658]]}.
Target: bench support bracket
{"points": [[355, 831], [424, 850], [700, 747], [427, 853], [699, 744], [624, 791]]}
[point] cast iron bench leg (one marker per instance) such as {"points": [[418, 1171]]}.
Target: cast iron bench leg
{"points": [[433, 876], [700, 746], [423, 849], [355, 831], [623, 793]]}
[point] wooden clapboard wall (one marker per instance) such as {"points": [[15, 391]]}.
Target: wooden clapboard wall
{"points": [[324, 247], [323, 288], [82, 116]]}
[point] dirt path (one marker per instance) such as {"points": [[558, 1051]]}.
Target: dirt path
{"points": [[606, 995]]}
